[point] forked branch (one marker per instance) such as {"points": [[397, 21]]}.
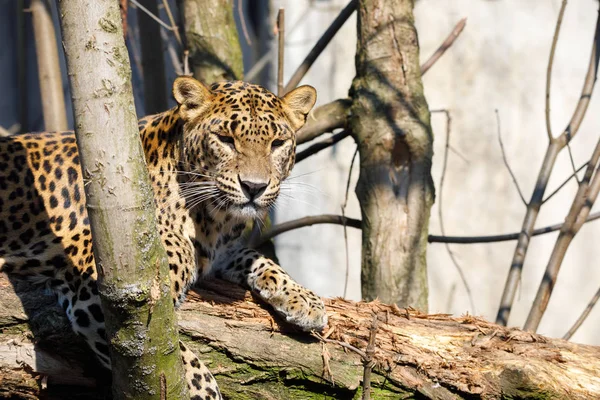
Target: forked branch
{"points": [[554, 147], [580, 209]]}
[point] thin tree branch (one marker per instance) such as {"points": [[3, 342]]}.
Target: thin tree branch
{"points": [[554, 147], [583, 316], [317, 147], [340, 343], [549, 70], [344, 216], [174, 26], [266, 57], [356, 223], [571, 158], [580, 209], [323, 119], [153, 16], [573, 175], [320, 45], [440, 208], [240, 9], [281, 47], [368, 362], [510, 171], [173, 55], [458, 28]]}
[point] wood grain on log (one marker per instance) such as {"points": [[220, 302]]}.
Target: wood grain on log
{"points": [[255, 355]]}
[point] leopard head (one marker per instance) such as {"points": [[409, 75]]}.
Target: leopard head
{"points": [[240, 141]]}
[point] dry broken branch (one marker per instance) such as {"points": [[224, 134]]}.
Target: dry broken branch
{"points": [[429, 356]]}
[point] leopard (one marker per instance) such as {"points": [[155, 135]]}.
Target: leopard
{"points": [[216, 162]]}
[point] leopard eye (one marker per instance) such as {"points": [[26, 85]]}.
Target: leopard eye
{"points": [[277, 143], [228, 140]]}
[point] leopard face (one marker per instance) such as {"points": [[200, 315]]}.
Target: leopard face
{"points": [[239, 141]]}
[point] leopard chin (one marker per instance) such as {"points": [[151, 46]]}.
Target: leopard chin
{"points": [[248, 211]]}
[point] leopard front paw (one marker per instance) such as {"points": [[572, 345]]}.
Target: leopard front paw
{"points": [[300, 307]]}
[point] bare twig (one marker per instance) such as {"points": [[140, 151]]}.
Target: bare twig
{"points": [[320, 45], [458, 28], [572, 159], [344, 220], [533, 208], [174, 26], [280, 53], [573, 175], [153, 16], [440, 208], [580, 209], [340, 343], [186, 63], [368, 362], [583, 316], [240, 8], [561, 13], [317, 147], [356, 223], [510, 171], [266, 57], [173, 54]]}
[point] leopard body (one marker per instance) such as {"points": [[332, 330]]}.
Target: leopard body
{"points": [[215, 162]]}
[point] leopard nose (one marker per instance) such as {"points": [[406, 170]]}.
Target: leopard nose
{"points": [[253, 190]]}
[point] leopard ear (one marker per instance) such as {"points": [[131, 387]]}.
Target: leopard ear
{"points": [[192, 96], [299, 102]]}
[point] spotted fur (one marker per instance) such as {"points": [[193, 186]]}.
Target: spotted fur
{"points": [[215, 161]]}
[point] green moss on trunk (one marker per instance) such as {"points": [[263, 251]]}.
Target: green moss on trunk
{"points": [[133, 273], [212, 39]]}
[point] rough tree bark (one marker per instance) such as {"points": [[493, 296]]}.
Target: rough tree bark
{"points": [[254, 356], [51, 87], [212, 39], [390, 122], [153, 64], [133, 271]]}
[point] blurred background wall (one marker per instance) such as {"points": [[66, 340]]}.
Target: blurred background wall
{"points": [[498, 63]]}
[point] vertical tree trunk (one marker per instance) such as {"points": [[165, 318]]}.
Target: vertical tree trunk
{"points": [[51, 87], [153, 64], [390, 121], [212, 39], [133, 272]]}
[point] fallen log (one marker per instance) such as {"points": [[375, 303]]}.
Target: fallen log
{"points": [[256, 355]]}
